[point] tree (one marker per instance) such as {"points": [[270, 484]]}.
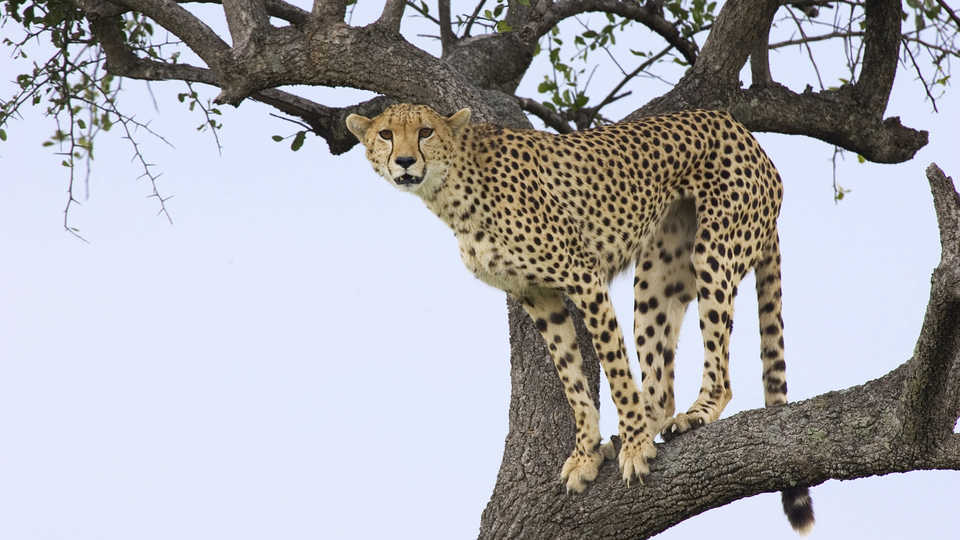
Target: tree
{"points": [[918, 403]]}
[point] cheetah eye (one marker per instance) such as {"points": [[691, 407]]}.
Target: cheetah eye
{"points": [[425, 132], [385, 134]]}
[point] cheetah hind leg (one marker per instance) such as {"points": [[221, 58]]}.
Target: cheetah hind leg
{"points": [[715, 303]]}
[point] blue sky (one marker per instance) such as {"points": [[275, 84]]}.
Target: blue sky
{"points": [[302, 355]]}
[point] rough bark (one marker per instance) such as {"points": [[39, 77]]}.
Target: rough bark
{"points": [[902, 421]]}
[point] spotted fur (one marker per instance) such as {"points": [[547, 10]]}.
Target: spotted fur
{"points": [[689, 198]]}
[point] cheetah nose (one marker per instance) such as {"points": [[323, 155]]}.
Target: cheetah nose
{"points": [[405, 161]]}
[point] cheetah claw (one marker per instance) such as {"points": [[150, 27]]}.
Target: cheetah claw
{"points": [[579, 469], [633, 459], [679, 424]]}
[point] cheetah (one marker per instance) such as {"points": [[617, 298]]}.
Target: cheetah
{"points": [[689, 197]]}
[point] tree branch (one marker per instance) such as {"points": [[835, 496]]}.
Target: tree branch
{"points": [[288, 12], [246, 19], [837, 116], [392, 15], [833, 116], [326, 122], [953, 16], [327, 11], [931, 397], [180, 22], [473, 17], [446, 30], [811, 39], [760, 56], [881, 43], [549, 116], [646, 14]]}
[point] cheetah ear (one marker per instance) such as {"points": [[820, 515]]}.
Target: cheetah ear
{"points": [[459, 120], [358, 125]]}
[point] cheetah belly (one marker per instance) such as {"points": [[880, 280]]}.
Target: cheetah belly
{"points": [[487, 262]]}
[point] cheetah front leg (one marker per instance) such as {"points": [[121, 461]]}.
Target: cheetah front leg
{"points": [[636, 432], [553, 321]]}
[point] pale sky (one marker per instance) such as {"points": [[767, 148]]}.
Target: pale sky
{"points": [[301, 355]]}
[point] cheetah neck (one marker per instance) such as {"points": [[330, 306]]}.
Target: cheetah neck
{"points": [[450, 199]]}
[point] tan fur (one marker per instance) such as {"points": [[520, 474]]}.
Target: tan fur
{"points": [[690, 198]]}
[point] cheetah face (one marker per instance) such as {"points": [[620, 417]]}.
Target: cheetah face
{"points": [[410, 145]]}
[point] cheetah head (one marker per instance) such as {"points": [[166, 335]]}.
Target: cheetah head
{"points": [[410, 145]]}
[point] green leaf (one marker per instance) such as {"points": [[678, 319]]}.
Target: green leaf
{"points": [[3, 135], [861, 159], [277, 138], [298, 140], [81, 124]]}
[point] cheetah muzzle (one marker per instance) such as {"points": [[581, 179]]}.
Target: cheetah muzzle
{"points": [[689, 199], [408, 179]]}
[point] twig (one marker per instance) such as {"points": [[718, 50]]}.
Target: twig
{"points": [[473, 17], [806, 45], [953, 15], [425, 14], [307, 127], [926, 87], [821, 37], [209, 121]]}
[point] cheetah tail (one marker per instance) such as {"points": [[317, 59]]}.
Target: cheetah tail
{"points": [[798, 506]]}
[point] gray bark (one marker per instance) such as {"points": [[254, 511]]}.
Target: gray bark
{"points": [[902, 421]]}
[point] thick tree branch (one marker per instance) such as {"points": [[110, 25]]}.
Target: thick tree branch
{"points": [[123, 62], [246, 19], [392, 15], [881, 42], [288, 12], [327, 11], [183, 24], [833, 116], [931, 397], [760, 56], [739, 26]]}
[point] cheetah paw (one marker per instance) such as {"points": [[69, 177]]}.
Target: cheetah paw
{"points": [[579, 469], [681, 423], [634, 457]]}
